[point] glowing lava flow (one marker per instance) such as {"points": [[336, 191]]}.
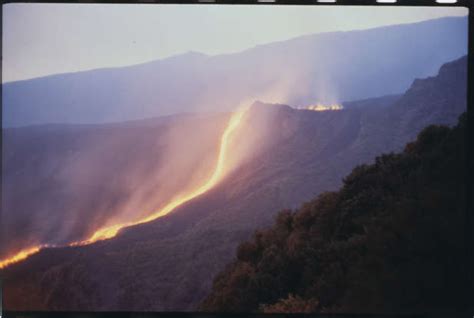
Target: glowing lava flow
{"points": [[320, 107], [21, 255], [111, 231]]}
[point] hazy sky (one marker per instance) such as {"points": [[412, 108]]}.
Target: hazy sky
{"points": [[43, 39]]}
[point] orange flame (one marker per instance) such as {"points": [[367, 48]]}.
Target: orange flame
{"points": [[112, 230], [321, 107], [21, 255]]}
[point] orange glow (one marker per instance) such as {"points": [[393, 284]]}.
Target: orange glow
{"points": [[112, 230], [320, 107], [21, 255]]}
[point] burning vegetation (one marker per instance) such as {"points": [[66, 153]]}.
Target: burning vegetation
{"points": [[322, 107]]}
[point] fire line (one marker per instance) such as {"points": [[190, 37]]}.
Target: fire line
{"points": [[112, 230], [21, 255]]}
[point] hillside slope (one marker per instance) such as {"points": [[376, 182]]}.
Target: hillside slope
{"points": [[169, 264], [61, 182], [390, 240]]}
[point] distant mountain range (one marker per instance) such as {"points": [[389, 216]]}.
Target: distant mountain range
{"points": [[169, 264], [327, 67]]}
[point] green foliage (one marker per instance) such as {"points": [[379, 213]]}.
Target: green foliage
{"points": [[390, 240]]}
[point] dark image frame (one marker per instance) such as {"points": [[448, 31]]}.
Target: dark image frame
{"points": [[468, 311]]}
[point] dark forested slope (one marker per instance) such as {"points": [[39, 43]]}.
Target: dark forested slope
{"points": [[390, 240]]}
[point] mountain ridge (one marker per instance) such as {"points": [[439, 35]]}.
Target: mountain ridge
{"points": [[301, 73], [176, 257], [205, 55]]}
